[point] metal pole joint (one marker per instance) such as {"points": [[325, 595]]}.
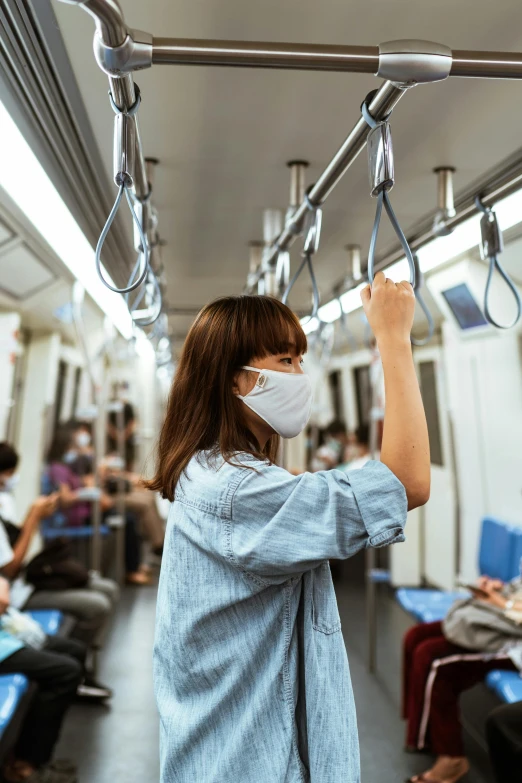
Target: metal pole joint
{"points": [[134, 54], [412, 61]]}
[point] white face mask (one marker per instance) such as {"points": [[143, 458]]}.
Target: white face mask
{"points": [[282, 399], [83, 439], [10, 482]]}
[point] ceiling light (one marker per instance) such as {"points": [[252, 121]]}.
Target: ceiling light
{"points": [[26, 182]]}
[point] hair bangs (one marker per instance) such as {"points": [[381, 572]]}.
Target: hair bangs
{"points": [[277, 330]]}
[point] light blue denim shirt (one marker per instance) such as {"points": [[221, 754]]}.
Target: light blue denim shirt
{"points": [[251, 673]]}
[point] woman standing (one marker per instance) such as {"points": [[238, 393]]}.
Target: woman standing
{"points": [[251, 672]]}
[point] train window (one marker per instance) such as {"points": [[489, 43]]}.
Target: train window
{"points": [[76, 392], [428, 384], [363, 394], [334, 380], [60, 390]]}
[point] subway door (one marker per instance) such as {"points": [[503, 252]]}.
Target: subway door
{"points": [[485, 392], [430, 552]]}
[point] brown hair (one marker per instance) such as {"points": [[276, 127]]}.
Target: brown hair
{"points": [[203, 413]]}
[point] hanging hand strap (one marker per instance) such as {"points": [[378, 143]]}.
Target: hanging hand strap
{"points": [[419, 282], [311, 246], [136, 278], [383, 200], [491, 247], [143, 258], [158, 299]]}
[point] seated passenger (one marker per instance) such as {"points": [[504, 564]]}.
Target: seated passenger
{"points": [[136, 499], [129, 434], [91, 606], [435, 673], [360, 455], [61, 458], [58, 669], [331, 453], [504, 735]]}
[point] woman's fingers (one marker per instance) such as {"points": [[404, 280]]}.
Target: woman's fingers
{"points": [[366, 294]]}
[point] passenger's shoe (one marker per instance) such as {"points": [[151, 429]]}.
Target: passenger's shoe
{"points": [[66, 766], [90, 690], [137, 578], [48, 775]]}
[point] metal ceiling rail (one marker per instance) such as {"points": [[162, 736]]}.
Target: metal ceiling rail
{"points": [[314, 57], [120, 51]]}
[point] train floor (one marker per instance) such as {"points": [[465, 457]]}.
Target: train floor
{"points": [[119, 743]]}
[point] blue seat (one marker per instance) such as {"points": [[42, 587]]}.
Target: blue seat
{"points": [[427, 606], [507, 685], [50, 532], [500, 554], [496, 550], [12, 688], [49, 620], [516, 564]]}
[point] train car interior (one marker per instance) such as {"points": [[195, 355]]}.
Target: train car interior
{"points": [[291, 151]]}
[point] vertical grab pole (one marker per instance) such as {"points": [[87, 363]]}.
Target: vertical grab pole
{"points": [[99, 444], [98, 400], [120, 503]]}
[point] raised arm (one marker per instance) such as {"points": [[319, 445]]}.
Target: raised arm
{"points": [[405, 448], [42, 507]]}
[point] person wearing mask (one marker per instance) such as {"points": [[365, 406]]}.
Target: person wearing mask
{"points": [[91, 606], [251, 673], [136, 499], [361, 454], [77, 511], [330, 454], [128, 435], [114, 478], [56, 666]]}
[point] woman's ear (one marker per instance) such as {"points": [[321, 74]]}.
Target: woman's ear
{"points": [[235, 383]]}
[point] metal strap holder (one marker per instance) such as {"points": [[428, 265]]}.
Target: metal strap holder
{"points": [[313, 224], [491, 246], [382, 180]]}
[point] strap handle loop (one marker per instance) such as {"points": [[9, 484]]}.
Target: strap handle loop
{"points": [[491, 246], [419, 282], [311, 246], [131, 286], [384, 200]]}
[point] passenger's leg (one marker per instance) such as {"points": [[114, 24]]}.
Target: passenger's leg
{"points": [[422, 658], [143, 503], [107, 587], [133, 553], [415, 636], [450, 676], [57, 676], [91, 609], [504, 735]]}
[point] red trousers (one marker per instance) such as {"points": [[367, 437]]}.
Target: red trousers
{"points": [[435, 673]]}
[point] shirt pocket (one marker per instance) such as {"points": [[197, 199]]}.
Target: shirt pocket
{"points": [[325, 612]]}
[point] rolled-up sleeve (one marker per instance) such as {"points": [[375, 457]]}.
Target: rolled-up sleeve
{"points": [[283, 525]]}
